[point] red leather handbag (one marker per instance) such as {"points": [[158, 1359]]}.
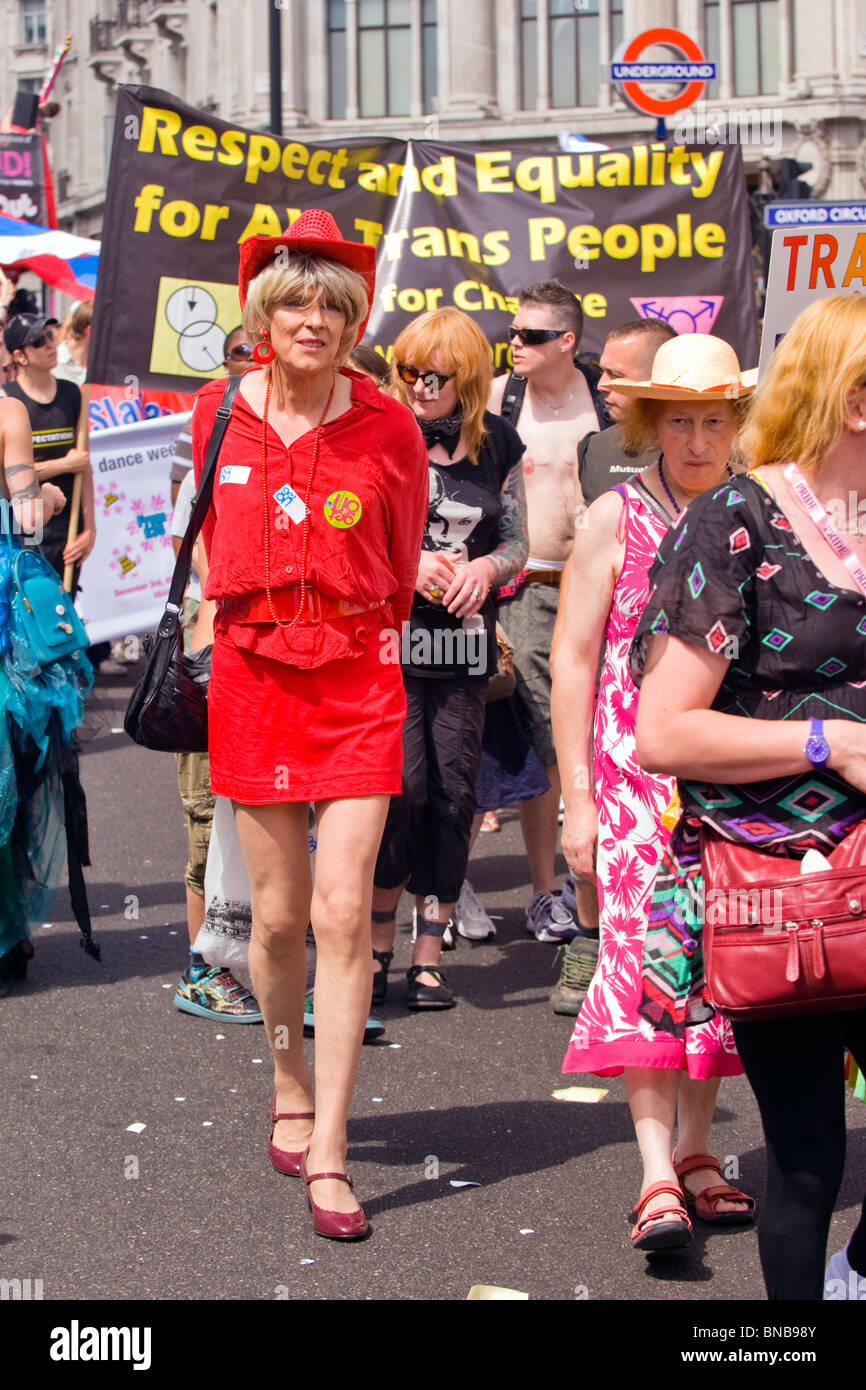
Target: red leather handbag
{"points": [[777, 943]]}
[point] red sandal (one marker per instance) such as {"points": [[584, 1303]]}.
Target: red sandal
{"points": [[706, 1203], [652, 1234], [283, 1161]]}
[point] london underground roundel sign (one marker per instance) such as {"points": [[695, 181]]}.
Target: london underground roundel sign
{"points": [[687, 65]]}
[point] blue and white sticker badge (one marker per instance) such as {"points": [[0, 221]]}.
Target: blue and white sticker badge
{"points": [[294, 506], [234, 473]]}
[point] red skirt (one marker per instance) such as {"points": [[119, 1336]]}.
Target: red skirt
{"points": [[282, 733]]}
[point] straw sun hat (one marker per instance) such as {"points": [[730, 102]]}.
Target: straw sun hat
{"points": [[693, 367]]}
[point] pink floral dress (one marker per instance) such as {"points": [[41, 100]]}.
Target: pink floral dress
{"points": [[609, 1034]]}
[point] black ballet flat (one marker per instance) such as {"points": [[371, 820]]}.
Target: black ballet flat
{"points": [[428, 996], [380, 979]]}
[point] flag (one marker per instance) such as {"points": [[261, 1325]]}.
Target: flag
{"points": [[68, 263]]}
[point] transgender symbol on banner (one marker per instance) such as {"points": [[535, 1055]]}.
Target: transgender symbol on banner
{"points": [[687, 313]]}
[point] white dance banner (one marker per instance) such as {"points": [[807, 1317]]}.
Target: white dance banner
{"points": [[125, 580]]}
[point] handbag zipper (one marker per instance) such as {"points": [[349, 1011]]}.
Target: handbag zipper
{"points": [[792, 968]]}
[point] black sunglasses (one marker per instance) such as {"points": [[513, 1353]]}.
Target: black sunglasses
{"points": [[534, 337], [43, 338], [411, 374], [242, 353]]}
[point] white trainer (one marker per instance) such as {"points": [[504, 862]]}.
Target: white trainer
{"points": [[841, 1281], [471, 919], [448, 942]]}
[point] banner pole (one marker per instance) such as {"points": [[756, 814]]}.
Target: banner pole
{"points": [[82, 441]]}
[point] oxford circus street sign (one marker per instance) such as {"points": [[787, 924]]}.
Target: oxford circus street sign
{"points": [[686, 67]]}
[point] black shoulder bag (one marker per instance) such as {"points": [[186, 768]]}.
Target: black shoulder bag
{"points": [[167, 710]]}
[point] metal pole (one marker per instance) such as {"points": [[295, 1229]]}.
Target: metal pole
{"points": [[276, 65]]}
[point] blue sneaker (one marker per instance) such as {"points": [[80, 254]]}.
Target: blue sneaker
{"points": [[548, 919], [373, 1028], [216, 994]]}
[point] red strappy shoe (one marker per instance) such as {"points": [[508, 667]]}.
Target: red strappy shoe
{"points": [[283, 1161], [649, 1232], [335, 1225], [706, 1203]]}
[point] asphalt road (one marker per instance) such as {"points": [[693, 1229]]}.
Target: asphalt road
{"points": [[190, 1208]]}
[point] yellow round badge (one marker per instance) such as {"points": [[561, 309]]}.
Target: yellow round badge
{"points": [[343, 509]]}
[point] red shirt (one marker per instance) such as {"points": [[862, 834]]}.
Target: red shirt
{"points": [[375, 451]]}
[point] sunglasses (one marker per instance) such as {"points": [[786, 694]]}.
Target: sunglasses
{"points": [[411, 374], [534, 337], [46, 337], [242, 353]]}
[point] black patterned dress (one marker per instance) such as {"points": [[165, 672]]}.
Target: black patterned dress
{"points": [[735, 579]]}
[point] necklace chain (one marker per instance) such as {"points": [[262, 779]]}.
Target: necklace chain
{"points": [[306, 523], [555, 408]]}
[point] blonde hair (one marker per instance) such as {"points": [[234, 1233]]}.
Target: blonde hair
{"points": [[638, 428], [79, 319], [463, 349], [799, 407], [298, 278]]}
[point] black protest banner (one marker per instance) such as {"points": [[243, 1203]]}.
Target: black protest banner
{"points": [[23, 192], [650, 230]]}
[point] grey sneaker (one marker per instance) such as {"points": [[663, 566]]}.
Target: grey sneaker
{"points": [[472, 920], [579, 959], [548, 919]]}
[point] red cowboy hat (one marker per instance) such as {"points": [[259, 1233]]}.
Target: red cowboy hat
{"points": [[317, 233]]}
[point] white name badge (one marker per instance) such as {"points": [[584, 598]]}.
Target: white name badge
{"points": [[234, 473], [291, 503]]}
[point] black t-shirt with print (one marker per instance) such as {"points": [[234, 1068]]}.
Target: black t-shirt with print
{"points": [[54, 426], [463, 515]]}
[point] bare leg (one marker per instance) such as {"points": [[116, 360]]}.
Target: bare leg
{"points": [[385, 903], [652, 1098], [539, 820], [350, 831], [428, 946], [697, 1104], [587, 903], [476, 826], [194, 914], [274, 844]]}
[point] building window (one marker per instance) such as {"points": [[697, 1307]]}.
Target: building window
{"points": [[33, 22], [337, 59], [385, 41], [573, 34], [529, 54], [756, 47], [428, 50], [712, 46]]}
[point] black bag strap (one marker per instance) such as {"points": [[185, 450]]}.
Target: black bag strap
{"points": [[183, 564], [512, 398]]}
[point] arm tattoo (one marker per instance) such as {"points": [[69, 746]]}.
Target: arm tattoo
{"points": [[29, 491], [511, 553], [13, 468]]}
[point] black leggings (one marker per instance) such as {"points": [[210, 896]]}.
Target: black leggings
{"points": [[795, 1070]]}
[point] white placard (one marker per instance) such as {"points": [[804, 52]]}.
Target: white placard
{"points": [[808, 263], [125, 580]]}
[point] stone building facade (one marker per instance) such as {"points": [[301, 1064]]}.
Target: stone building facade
{"points": [[792, 73]]}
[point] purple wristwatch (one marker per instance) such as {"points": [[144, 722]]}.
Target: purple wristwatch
{"points": [[817, 747]]}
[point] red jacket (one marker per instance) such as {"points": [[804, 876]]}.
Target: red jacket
{"points": [[374, 450]]}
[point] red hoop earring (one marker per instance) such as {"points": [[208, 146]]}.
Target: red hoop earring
{"points": [[263, 351]]}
